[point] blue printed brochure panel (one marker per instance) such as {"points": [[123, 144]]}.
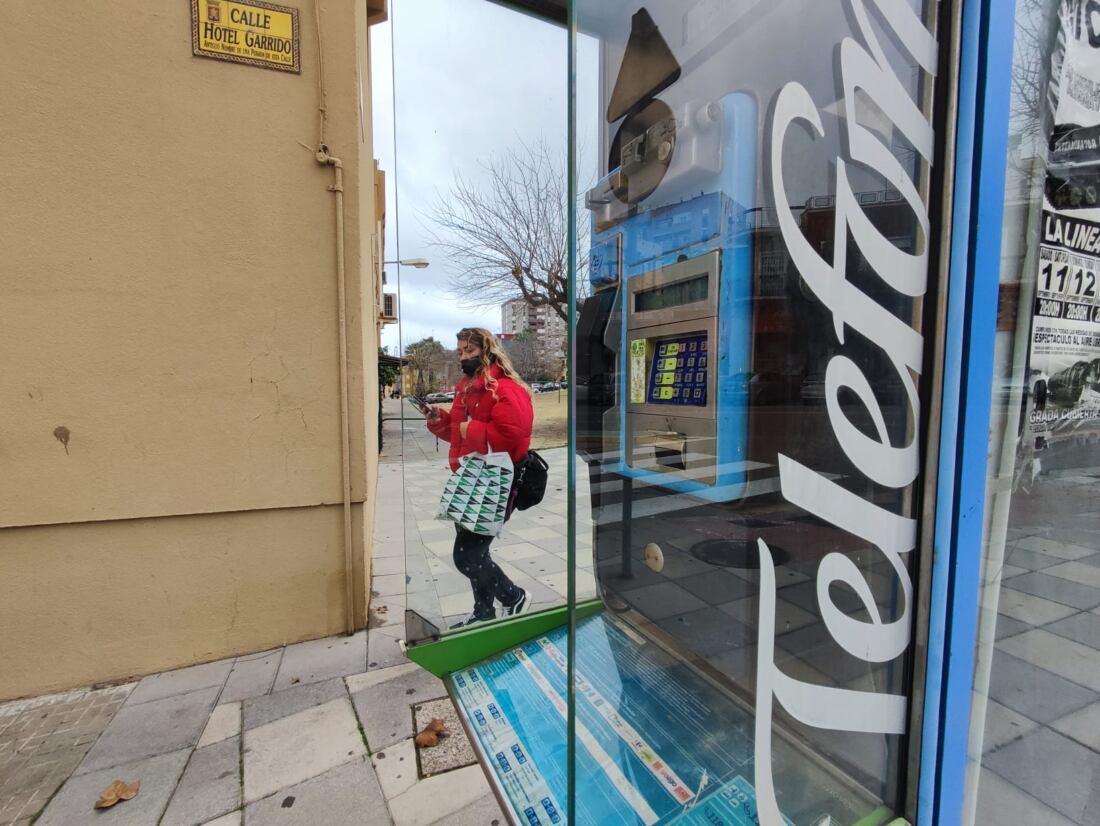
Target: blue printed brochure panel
{"points": [[656, 743]]}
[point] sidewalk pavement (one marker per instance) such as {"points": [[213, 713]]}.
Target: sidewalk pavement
{"points": [[319, 732], [304, 734]]}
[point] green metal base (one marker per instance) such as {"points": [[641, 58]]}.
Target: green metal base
{"points": [[879, 817], [464, 648]]}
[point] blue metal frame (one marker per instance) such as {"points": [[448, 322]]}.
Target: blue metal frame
{"points": [[981, 151]]}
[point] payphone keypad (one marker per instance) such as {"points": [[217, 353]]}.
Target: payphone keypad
{"points": [[679, 371]]}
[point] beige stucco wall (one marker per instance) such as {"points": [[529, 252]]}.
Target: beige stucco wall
{"points": [[167, 272]]}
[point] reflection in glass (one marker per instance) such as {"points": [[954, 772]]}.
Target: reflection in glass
{"points": [[1034, 749], [476, 140], [749, 341]]}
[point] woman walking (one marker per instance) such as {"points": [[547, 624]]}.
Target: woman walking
{"points": [[491, 412]]}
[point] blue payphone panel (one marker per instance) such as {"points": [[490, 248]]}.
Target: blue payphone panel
{"points": [[683, 262]]}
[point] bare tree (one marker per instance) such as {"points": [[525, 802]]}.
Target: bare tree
{"points": [[506, 235], [1036, 21], [531, 359]]}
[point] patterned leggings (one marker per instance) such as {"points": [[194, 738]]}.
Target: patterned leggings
{"points": [[489, 582]]}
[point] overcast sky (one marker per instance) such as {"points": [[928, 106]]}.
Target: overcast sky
{"points": [[472, 79]]}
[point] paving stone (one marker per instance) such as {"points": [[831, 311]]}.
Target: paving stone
{"points": [[388, 585], [452, 751], [359, 682], [158, 775], [1076, 572], [545, 563], [708, 631], [439, 798], [181, 681], [231, 819], [657, 602], [1003, 725], [788, 617], [1000, 803], [384, 613], [387, 565], [1083, 628], [259, 655], [151, 728], [1054, 769], [295, 748], [385, 709], [43, 739], [1030, 609], [1060, 656], [396, 768], [1034, 692], [484, 811], [1008, 627], [210, 786], [261, 710], [717, 587], [1083, 726], [1030, 560], [317, 660], [347, 795], [225, 722], [252, 677], [1056, 589], [1052, 547], [383, 648]]}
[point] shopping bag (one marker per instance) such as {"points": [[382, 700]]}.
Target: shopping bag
{"points": [[476, 495]]}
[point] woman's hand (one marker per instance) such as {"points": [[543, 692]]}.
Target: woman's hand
{"points": [[431, 414], [462, 429]]}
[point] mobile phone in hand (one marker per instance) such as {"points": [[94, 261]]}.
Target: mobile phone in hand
{"points": [[419, 404]]}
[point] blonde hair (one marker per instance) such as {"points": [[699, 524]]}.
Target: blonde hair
{"points": [[491, 351]]}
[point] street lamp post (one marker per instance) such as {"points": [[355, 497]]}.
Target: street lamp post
{"points": [[419, 263]]}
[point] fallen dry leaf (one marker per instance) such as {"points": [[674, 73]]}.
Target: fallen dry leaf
{"points": [[119, 790], [432, 732]]}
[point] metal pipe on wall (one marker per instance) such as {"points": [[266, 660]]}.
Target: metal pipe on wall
{"points": [[324, 158], [337, 187]]}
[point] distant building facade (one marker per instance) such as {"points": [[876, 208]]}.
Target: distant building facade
{"points": [[517, 316]]}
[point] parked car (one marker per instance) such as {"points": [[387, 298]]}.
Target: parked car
{"points": [[439, 398]]}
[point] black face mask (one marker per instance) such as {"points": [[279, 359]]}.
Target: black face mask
{"points": [[469, 366]]}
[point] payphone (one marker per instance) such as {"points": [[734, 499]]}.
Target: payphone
{"points": [[681, 272]]}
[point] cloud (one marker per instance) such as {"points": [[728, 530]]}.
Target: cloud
{"points": [[470, 79]]}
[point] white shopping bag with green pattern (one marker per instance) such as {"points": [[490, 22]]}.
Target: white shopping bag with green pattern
{"points": [[476, 495]]}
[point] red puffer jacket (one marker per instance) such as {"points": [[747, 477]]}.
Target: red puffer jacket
{"points": [[500, 419]]}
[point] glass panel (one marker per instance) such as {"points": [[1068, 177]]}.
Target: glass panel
{"points": [[475, 144], [752, 271], [1035, 728]]}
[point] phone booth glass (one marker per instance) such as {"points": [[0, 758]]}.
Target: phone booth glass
{"points": [[752, 323]]}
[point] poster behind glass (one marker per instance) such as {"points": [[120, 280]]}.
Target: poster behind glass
{"points": [[1034, 754]]}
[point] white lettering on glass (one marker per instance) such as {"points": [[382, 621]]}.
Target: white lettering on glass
{"points": [[867, 69]]}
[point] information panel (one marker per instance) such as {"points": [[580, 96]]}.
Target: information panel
{"points": [[656, 743]]}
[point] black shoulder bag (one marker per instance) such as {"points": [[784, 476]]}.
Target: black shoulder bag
{"points": [[530, 485]]}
